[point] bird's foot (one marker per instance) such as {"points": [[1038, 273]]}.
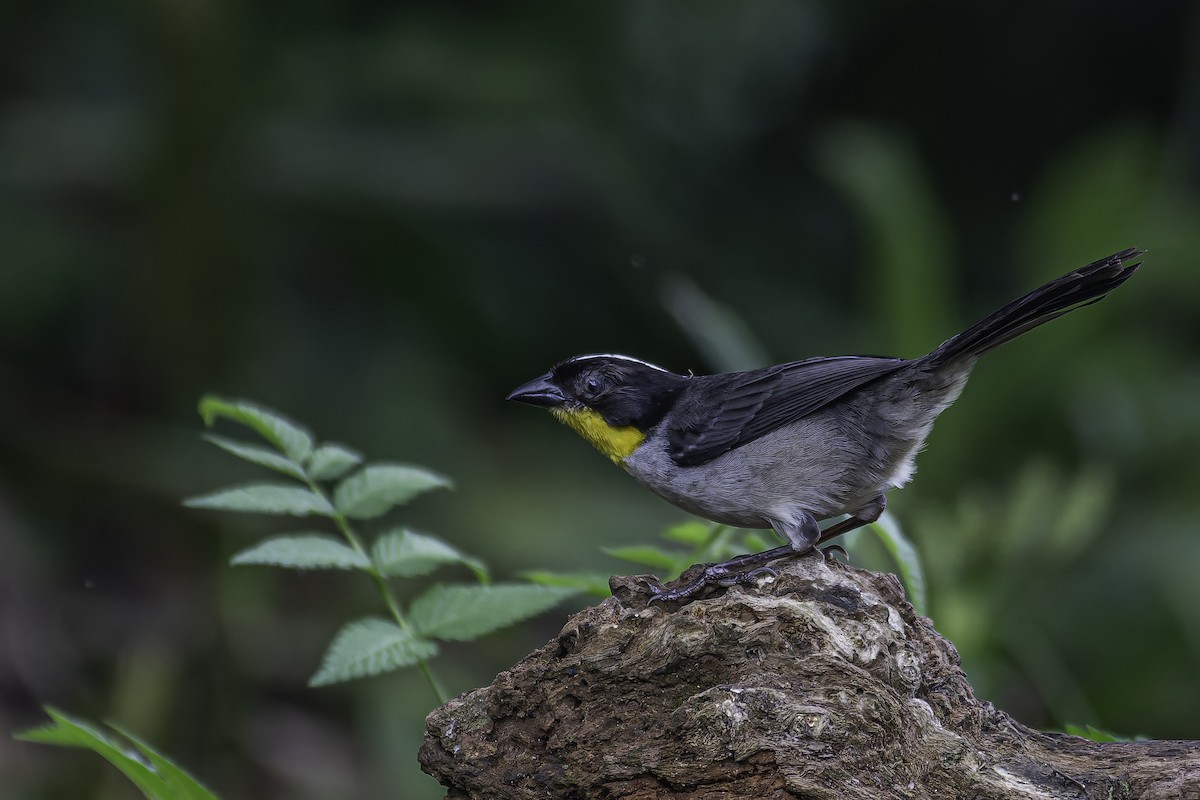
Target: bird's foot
{"points": [[712, 574]]}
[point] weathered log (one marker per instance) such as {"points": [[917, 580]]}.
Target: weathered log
{"points": [[821, 682]]}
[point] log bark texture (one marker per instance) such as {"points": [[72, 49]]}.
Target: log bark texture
{"points": [[819, 683]]}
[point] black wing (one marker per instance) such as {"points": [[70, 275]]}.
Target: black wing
{"points": [[736, 408]]}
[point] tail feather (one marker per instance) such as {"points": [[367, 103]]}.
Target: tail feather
{"points": [[1076, 289]]}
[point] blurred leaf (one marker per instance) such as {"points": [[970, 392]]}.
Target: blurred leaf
{"points": [[183, 786], [1093, 200], [303, 551], [1081, 512], [375, 489], [290, 438], [725, 545], [723, 337], [591, 583], [1028, 509], [462, 613], [369, 647], [403, 553], [692, 533], [265, 498], [909, 231], [645, 554], [1040, 657], [257, 455], [1096, 734], [754, 542], [158, 780], [907, 562], [1045, 513], [331, 461]]}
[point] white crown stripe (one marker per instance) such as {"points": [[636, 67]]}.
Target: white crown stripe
{"points": [[618, 357]]}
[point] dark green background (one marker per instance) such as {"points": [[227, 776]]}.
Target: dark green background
{"points": [[381, 217]]}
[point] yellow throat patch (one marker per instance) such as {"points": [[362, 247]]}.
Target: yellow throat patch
{"points": [[616, 443]]}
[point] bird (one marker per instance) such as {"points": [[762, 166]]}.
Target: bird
{"points": [[791, 445]]}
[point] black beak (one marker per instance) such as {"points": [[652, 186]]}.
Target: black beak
{"points": [[539, 392]]}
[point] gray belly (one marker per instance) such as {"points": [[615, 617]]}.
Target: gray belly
{"points": [[812, 465], [832, 462]]}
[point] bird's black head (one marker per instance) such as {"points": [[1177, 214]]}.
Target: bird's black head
{"points": [[610, 400], [625, 391]]}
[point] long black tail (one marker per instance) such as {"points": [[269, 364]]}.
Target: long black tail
{"points": [[1076, 289]]}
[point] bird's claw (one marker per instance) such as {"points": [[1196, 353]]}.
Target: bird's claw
{"points": [[746, 578], [834, 549], [661, 594], [716, 574]]}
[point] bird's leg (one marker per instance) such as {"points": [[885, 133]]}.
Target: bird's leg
{"points": [[802, 536], [864, 516]]}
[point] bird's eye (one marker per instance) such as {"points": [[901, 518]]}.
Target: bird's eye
{"points": [[593, 386]]}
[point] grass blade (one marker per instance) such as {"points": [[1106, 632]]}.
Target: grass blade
{"points": [[907, 561]]}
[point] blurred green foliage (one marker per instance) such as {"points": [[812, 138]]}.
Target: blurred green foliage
{"points": [[382, 217], [156, 776]]}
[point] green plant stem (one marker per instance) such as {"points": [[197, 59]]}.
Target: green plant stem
{"points": [[389, 600], [394, 608]]}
